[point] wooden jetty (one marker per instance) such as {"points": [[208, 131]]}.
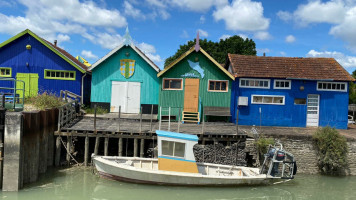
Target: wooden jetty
{"points": [[128, 132]]}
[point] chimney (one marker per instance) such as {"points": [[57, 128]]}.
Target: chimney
{"points": [[55, 43], [264, 54]]}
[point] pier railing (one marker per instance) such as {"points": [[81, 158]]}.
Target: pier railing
{"points": [[67, 113]]}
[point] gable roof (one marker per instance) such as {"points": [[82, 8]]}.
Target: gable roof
{"points": [[136, 49], [59, 51], [287, 67], [172, 64]]}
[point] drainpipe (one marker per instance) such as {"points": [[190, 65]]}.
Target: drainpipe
{"points": [[81, 100]]}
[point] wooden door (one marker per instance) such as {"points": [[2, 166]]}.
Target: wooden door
{"points": [[191, 95], [313, 110], [118, 96], [133, 97], [31, 84]]}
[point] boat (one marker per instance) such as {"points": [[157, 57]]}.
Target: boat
{"points": [[176, 165]]}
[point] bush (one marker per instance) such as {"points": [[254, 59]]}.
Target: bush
{"points": [[262, 144], [331, 150], [43, 101], [99, 110]]}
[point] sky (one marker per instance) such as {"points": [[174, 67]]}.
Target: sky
{"points": [[91, 29]]}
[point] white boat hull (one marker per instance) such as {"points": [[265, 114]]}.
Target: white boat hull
{"points": [[144, 170]]}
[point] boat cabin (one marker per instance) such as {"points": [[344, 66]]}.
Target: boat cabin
{"points": [[175, 152]]}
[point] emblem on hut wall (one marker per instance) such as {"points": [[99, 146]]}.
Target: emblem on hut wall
{"points": [[127, 67]]}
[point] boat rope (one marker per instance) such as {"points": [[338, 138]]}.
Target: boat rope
{"points": [[69, 153]]}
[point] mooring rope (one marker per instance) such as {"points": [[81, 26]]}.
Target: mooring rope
{"points": [[79, 164]]}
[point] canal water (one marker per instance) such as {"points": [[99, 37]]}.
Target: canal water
{"points": [[81, 183]]}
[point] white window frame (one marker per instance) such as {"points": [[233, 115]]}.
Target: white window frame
{"points": [[334, 90], [181, 88], [227, 86], [282, 88], [284, 99], [174, 149], [252, 79]]}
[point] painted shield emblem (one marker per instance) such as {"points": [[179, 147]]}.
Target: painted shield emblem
{"points": [[127, 67]]}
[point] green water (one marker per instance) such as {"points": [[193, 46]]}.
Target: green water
{"points": [[80, 183]]}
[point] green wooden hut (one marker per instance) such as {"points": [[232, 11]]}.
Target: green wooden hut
{"points": [[192, 83], [125, 78]]}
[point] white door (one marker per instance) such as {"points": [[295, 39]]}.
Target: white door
{"points": [[313, 110], [127, 95]]}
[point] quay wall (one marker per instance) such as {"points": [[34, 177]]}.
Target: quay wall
{"points": [[303, 149]]}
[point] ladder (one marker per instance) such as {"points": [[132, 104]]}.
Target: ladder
{"points": [[165, 110], [190, 117]]}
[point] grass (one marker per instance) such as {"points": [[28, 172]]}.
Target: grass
{"points": [[99, 110], [42, 102]]}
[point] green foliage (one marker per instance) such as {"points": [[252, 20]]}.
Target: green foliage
{"points": [[219, 50], [99, 110], [43, 101], [331, 150], [352, 94], [263, 143]]}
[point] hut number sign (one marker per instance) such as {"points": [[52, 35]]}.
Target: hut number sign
{"points": [[189, 75]]}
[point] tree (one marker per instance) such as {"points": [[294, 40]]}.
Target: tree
{"points": [[352, 94], [219, 50]]}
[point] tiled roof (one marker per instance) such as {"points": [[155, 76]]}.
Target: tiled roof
{"points": [[68, 55], [287, 67]]}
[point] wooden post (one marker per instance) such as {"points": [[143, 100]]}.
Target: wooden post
{"points": [[142, 146], [160, 118], [58, 151], [169, 119], [237, 121], [106, 146], [151, 117], [95, 118], [135, 147], [86, 150], [202, 127], [96, 148], [179, 119], [120, 147], [69, 141], [141, 120], [119, 118]]}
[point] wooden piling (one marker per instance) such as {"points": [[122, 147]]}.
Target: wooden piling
{"points": [[69, 141], [106, 146], [118, 129], [120, 147], [95, 118], [86, 150], [141, 120], [142, 146], [151, 117], [96, 148], [135, 147], [58, 151]]}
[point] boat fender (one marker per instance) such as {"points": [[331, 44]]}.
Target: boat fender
{"points": [[295, 168]]}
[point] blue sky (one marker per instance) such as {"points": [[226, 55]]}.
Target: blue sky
{"points": [[305, 28]]}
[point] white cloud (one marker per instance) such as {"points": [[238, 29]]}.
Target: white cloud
{"points": [[285, 16], [290, 39], [150, 51], [129, 10], [283, 53], [344, 60], [202, 19], [243, 36], [203, 33], [262, 35], [263, 50], [224, 37], [88, 55], [105, 40], [198, 5], [244, 15]]}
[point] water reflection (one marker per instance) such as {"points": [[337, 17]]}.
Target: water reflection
{"points": [[80, 183]]}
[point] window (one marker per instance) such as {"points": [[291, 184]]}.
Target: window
{"points": [[59, 74], [218, 86], [331, 86], [267, 99], [300, 101], [282, 84], [172, 84], [254, 83], [175, 149], [5, 72]]}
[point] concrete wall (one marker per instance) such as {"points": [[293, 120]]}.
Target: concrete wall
{"points": [[305, 154]]}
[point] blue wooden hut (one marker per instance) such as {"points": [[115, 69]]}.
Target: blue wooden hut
{"points": [[292, 92], [125, 78], [43, 66]]}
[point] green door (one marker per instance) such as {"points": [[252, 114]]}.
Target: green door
{"points": [[31, 84]]}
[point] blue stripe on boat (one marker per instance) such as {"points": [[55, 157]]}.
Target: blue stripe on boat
{"points": [[177, 135], [171, 158]]}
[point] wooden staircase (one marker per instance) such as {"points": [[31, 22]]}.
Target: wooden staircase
{"points": [[191, 117]]}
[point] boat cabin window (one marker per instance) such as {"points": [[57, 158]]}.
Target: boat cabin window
{"points": [[176, 149]]}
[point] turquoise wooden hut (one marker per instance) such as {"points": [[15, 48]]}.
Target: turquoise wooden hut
{"points": [[125, 78]]}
